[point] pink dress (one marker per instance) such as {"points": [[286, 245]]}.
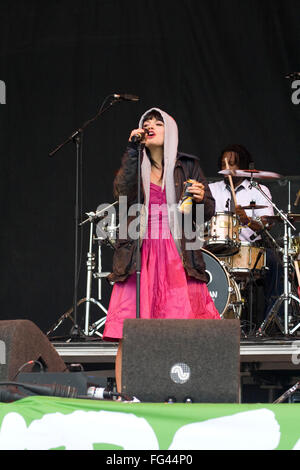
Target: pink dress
{"points": [[166, 291]]}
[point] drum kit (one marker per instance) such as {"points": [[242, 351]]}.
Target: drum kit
{"points": [[233, 265]]}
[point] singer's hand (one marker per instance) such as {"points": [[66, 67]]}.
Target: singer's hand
{"points": [[197, 190], [138, 132]]}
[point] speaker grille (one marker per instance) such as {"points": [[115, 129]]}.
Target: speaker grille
{"points": [[196, 359]]}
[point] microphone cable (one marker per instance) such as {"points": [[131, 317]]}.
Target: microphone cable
{"points": [[62, 391]]}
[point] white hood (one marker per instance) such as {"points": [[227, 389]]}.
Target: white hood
{"points": [[170, 155]]}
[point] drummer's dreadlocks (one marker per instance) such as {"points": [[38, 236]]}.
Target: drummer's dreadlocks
{"points": [[245, 160]]}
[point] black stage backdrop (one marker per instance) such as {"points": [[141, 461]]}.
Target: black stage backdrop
{"points": [[217, 66]]}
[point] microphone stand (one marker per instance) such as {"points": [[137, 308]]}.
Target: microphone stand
{"points": [[138, 251], [77, 137]]}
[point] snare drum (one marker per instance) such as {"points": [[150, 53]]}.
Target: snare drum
{"points": [[249, 258], [222, 288], [223, 234]]}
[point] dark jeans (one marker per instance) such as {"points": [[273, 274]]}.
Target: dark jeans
{"points": [[265, 290], [273, 282]]}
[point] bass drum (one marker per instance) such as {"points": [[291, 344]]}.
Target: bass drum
{"points": [[223, 289]]}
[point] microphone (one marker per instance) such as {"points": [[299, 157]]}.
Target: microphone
{"points": [[125, 97], [139, 136], [100, 393]]}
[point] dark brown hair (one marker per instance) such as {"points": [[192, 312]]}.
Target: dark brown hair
{"points": [[153, 114], [245, 159]]}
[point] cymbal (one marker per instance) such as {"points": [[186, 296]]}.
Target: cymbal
{"points": [[252, 174], [253, 206], [277, 218]]}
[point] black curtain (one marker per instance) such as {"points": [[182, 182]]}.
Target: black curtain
{"points": [[217, 66]]}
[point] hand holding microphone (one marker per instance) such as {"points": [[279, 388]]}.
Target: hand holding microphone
{"points": [[197, 191], [138, 135]]}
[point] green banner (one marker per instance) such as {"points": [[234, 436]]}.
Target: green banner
{"points": [[41, 423]]}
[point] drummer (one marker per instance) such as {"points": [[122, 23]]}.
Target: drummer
{"points": [[253, 221], [238, 157]]}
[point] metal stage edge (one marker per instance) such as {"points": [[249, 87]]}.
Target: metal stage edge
{"points": [[266, 354]]}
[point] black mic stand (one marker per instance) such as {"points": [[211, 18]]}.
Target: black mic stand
{"points": [[138, 250], [77, 137]]}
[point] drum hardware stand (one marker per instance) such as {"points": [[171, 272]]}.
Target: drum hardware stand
{"points": [[287, 295], [64, 317], [288, 393], [90, 330], [93, 329], [90, 268], [234, 306]]}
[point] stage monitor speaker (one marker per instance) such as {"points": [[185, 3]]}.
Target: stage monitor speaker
{"points": [[22, 341], [181, 360]]}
